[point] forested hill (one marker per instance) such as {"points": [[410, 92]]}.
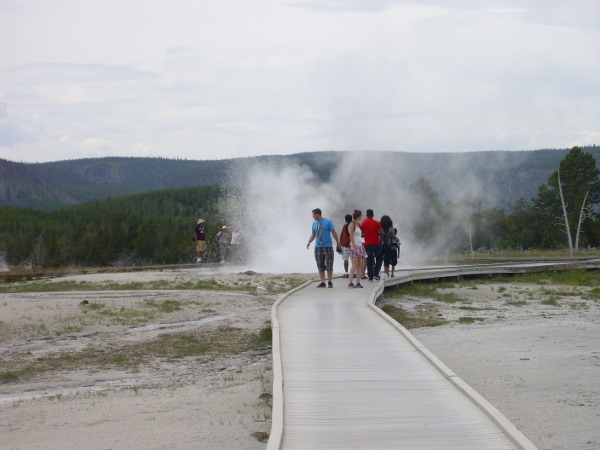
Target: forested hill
{"points": [[152, 227], [51, 186], [54, 185]]}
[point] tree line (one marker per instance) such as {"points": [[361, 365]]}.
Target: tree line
{"points": [[563, 214], [148, 228], [156, 227]]}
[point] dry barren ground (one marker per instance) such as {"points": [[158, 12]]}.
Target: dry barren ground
{"points": [[173, 359]]}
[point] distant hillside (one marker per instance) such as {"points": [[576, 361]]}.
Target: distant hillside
{"points": [[50, 186], [507, 176]]}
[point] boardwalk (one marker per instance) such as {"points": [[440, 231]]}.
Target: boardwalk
{"points": [[348, 377]]}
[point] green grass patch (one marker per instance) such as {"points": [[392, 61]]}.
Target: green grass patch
{"points": [[469, 319], [560, 293], [8, 377], [206, 344], [448, 297], [127, 316], [265, 336], [427, 290], [180, 345], [77, 286], [274, 284], [70, 329], [565, 277], [516, 303], [594, 294], [138, 314], [579, 305], [416, 289], [412, 319], [550, 301], [471, 308], [444, 284], [166, 306], [91, 306], [89, 358]]}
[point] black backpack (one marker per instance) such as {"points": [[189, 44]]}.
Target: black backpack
{"points": [[387, 238]]}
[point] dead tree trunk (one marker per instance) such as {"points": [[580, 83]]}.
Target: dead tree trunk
{"points": [[582, 216], [471, 240], [566, 218]]}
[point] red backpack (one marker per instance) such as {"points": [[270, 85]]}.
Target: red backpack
{"points": [[345, 236]]}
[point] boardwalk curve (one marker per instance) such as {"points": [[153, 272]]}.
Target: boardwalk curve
{"points": [[348, 376]]}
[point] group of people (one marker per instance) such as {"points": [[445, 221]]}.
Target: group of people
{"points": [[367, 243], [228, 240]]}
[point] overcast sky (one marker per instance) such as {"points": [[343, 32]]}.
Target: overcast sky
{"points": [[212, 79]]}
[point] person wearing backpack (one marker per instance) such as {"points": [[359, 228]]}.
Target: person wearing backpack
{"points": [[345, 243], [395, 252], [387, 241]]}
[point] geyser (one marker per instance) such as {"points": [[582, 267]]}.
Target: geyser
{"points": [[273, 210]]}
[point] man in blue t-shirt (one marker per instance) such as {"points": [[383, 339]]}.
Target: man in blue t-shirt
{"points": [[322, 230]]}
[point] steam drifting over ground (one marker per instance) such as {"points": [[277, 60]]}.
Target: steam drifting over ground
{"points": [[276, 199]]}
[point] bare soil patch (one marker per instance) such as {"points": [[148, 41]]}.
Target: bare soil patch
{"points": [[142, 365]]}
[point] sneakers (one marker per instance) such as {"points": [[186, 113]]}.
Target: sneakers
{"points": [[376, 277], [351, 285], [329, 284], [321, 285], [345, 275], [358, 285], [363, 277]]}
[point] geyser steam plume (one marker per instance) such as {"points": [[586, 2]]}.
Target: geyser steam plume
{"points": [[274, 214], [273, 210]]}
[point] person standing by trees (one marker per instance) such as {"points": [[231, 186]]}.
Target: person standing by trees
{"points": [[200, 239], [322, 230]]}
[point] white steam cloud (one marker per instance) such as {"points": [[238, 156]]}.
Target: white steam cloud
{"points": [[273, 210], [274, 215]]}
